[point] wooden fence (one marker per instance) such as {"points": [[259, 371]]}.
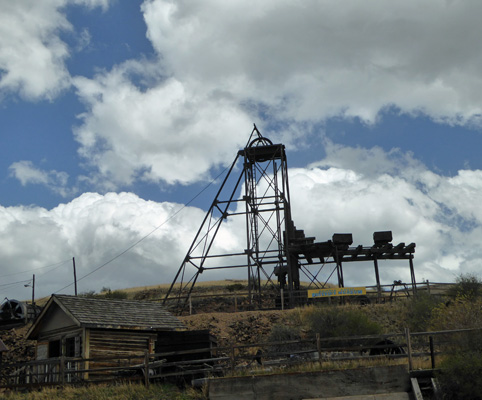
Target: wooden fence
{"points": [[399, 347], [237, 301]]}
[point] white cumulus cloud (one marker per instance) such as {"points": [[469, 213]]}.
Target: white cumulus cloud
{"points": [[221, 66], [165, 133], [27, 173], [311, 60], [32, 54], [94, 229]]}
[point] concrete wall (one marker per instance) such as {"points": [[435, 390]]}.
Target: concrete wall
{"points": [[297, 386]]}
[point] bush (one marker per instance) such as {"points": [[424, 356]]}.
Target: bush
{"points": [[90, 294], [461, 314], [235, 287], [419, 311], [336, 322], [459, 376], [284, 333], [106, 293], [116, 295], [467, 287]]}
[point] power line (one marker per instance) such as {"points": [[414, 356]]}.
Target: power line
{"points": [[56, 267], [14, 283], [58, 264], [149, 234]]}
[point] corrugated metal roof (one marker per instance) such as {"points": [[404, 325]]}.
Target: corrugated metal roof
{"points": [[118, 314]]}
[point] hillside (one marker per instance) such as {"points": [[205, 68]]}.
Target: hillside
{"points": [[212, 308], [255, 326], [214, 303]]}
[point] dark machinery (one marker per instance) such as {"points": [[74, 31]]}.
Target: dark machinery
{"points": [[13, 310], [259, 200], [16, 313]]}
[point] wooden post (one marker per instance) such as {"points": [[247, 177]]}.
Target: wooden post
{"points": [[86, 351], [33, 290], [377, 276], [75, 276], [412, 273], [62, 370], [235, 303], [428, 286], [409, 349], [432, 353], [282, 299], [190, 305], [318, 347], [146, 368]]}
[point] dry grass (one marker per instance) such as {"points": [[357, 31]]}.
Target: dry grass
{"points": [[206, 287], [330, 365], [104, 392], [156, 292], [165, 286], [202, 284]]}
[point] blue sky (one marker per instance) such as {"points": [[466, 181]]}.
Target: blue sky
{"points": [[113, 115]]}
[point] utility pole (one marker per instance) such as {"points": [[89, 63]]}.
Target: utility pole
{"points": [[75, 276], [33, 290]]}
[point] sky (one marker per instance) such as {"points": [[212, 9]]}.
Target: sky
{"points": [[118, 118]]}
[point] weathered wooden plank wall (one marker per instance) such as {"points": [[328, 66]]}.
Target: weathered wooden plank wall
{"points": [[105, 343]]}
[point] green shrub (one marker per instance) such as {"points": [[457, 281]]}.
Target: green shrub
{"points": [[461, 314], [116, 295], [284, 333], [336, 322], [467, 287], [106, 293], [90, 294], [459, 376], [235, 287], [419, 311]]}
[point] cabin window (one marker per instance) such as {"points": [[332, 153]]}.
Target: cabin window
{"points": [[72, 347], [55, 348]]}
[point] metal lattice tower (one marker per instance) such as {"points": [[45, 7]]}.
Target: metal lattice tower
{"points": [[265, 205]]}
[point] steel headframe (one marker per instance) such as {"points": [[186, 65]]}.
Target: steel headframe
{"points": [[268, 224]]}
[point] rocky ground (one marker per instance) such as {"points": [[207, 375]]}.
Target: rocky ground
{"points": [[255, 326], [236, 328], [19, 349]]}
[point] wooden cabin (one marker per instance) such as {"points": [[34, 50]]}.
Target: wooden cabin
{"points": [[91, 328]]}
